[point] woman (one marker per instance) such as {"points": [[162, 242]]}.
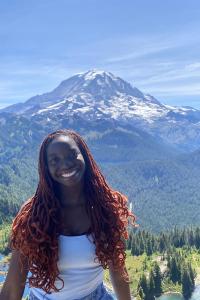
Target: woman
{"points": [[70, 230]]}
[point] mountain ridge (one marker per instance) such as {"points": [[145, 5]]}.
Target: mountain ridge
{"points": [[85, 83]]}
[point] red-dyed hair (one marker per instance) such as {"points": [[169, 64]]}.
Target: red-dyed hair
{"points": [[35, 229]]}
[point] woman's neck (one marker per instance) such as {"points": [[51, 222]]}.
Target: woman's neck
{"points": [[71, 196]]}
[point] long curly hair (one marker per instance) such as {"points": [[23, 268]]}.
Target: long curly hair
{"points": [[35, 229]]}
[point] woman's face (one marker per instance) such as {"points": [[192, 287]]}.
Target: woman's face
{"points": [[65, 162]]}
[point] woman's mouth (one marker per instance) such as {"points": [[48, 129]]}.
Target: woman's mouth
{"points": [[68, 173]]}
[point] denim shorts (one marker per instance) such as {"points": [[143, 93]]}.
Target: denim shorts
{"points": [[100, 293]]}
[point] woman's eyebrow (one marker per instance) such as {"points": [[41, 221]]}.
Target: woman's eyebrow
{"points": [[52, 154], [70, 149]]}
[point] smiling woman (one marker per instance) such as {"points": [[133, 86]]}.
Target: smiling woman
{"points": [[70, 230], [65, 162]]}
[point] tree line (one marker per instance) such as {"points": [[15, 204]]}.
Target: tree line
{"points": [[141, 241], [170, 245]]}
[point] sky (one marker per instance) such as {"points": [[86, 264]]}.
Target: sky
{"points": [[153, 44]]}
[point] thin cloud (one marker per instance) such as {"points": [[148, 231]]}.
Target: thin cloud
{"points": [[193, 66], [177, 73], [139, 53], [145, 46], [192, 89]]}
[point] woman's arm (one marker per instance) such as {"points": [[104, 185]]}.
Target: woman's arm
{"points": [[14, 284], [121, 288]]}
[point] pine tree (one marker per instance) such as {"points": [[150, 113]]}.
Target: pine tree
{"points": [[141, 294], [157, 280], [191, 238], [151, 292], [174, 270], [133, 246], [149, 250], [162, 243], [192, 275], [141, 246], [187, 285], [129, 241], [197, 238], [143, 285]]}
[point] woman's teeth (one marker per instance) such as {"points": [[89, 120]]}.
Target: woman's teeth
{"points": [[68, 174]]}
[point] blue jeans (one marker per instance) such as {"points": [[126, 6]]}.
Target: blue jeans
{"points": [[100, 293]]}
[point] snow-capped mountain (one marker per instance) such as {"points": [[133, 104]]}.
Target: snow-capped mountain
{"points": [[83, 93], [101, 95]]}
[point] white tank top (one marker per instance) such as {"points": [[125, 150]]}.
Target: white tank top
{"points": [[81, 275]]}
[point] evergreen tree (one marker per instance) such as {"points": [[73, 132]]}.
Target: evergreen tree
{"points": [[192, 275], [149, 249], [191, 238], [141, 294], [130, 241], [187, 285], [162, 243], [143, 285], [175, 271], [141, 246], [151, 292], [133, 246], [197, 238], [157, 280]]}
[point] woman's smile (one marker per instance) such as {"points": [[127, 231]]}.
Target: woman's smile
{"points": [[68, 173]]}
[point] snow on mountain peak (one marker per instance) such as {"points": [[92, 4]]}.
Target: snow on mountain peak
{"points": [[92, 74], [100, 94]]}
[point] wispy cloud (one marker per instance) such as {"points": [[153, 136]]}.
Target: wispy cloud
{"points": [[3, 104], [172, 73], [19, 81], [162, 66], [193, 66], [136, 47], [138, 53], [192, 89]]}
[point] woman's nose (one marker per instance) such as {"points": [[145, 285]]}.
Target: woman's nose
{"points": [[67, 163]]}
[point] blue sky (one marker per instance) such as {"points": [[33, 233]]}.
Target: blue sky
{"points": [[153, 44]]}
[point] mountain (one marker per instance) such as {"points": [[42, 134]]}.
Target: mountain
{"points": [[98, 95]]}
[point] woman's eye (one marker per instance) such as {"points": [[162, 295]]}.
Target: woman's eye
{"points": [[74, 154], [53, 161], [71, 156]]}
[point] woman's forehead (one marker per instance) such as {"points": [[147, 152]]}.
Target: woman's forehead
{"points": [[62, 140]]}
